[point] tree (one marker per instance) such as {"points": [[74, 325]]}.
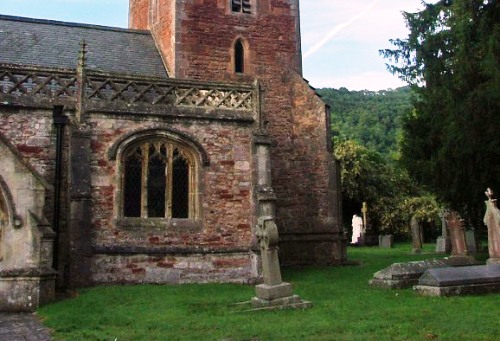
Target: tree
{"points": [[391, 195], [451, 141]]}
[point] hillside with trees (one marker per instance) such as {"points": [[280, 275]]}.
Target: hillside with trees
{"points": [[371, 118]]}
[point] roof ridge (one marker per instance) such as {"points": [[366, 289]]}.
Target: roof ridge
{"points": [[72, 24]]}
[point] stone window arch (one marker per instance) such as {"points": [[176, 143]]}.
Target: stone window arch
{"points": [[158, 176]]}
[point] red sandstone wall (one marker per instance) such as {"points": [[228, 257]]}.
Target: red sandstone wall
{"points": [[205, 31], [138, 16], [303, 172], [227, 204]]}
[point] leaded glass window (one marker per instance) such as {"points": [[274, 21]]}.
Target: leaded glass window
{"points": [[159, 180]]}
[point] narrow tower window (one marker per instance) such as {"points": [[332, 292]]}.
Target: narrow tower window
{"points": [[241, 6], [239, 57]]}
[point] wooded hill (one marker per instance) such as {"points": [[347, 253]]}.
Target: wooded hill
{"points": [[371, 118]]}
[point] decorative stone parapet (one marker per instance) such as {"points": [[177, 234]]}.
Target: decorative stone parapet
{"points": [[107, 92]]}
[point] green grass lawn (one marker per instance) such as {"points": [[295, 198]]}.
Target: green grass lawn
{"points": [[345, 308]]}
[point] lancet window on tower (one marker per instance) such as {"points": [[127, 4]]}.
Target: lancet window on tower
{"points": [[239, 57], [241, 6]]}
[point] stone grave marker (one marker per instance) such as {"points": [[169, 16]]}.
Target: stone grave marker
{"points": [[460, 281], [492, 220], [443, 243], [457, 234], [471, 242], [406, 275], [273, 293], [385, 241], [417, 235]]}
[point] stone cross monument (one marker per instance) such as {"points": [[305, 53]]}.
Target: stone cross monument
{"points": [[273, 293], [492, 220]]}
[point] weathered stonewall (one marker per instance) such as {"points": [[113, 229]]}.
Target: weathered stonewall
{"points": [[406, 275]]}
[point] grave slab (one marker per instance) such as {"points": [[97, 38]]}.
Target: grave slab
{"points": [[406, 275], [460, 281]]}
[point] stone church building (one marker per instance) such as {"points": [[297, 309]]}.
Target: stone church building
{"points": [[146, 155]]}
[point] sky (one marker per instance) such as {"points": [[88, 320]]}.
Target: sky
{"points": [[340, 38]]}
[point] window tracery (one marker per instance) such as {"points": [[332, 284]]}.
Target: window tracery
{"points": [[159, 180]]}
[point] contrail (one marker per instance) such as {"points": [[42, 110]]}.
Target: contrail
{"points": [[337, 29]]}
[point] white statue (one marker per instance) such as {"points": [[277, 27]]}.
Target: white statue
{"points": [[357, 228]]}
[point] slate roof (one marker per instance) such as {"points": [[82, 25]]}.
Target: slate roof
{"points": [[57, 44]]}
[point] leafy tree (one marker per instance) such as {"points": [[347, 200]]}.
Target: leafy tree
{"points": [[451, 141], [391, 195]]}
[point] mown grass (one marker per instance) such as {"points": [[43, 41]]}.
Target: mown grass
{"points": [[345, 308]]}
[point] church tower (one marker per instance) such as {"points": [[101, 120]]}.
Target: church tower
{"points": [[222, 39], [248, 40]]}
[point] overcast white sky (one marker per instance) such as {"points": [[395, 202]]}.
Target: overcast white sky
{"points": [[340, 38]]}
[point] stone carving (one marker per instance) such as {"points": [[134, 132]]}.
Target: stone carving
{"points": [[135, 90], [43, 83], [55, 83], [492, 220], [273, 293]]}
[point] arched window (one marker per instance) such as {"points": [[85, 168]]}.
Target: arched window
{"points": [[239, 57], [159, 180]]}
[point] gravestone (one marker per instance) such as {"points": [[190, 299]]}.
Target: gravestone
{"points": [[357, 228], [479, 279], [406, 275], [492, 220], [273, 293], [457, 234], [471, 242], [385, 241], [417, 235], [443, 243]]}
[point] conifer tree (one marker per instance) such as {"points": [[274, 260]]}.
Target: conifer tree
{"points": [[451, 58]]}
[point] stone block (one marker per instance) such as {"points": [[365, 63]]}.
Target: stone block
{"points": [[290, 302], [405, 275], [272, 292], [386, 241], [460, 281], [26, 290]]}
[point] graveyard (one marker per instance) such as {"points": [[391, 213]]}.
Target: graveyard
{"points": [[345, 307]]}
